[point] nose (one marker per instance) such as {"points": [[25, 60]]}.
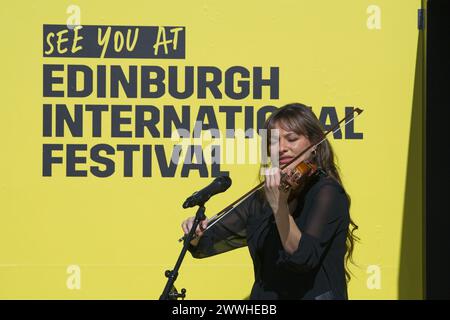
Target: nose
{"points": [[283, 146]]}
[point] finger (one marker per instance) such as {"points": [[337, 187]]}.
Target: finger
{"points": [[199, 231], [277, 177], [273, 177], [266, 188], [267, 178], [189, 225]]}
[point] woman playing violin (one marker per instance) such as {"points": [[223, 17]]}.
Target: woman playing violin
{"points": [[299, 238]]}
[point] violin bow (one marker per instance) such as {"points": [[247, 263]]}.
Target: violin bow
{"points": [[224, 212]]}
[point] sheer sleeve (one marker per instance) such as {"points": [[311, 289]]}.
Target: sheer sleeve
{"points": [[227, 234], [327, 215]]}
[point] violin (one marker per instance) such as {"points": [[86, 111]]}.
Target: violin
{"points": [[296, 178]]}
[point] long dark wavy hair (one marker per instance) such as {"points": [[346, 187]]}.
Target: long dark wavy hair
{"points": [[300, 119]]}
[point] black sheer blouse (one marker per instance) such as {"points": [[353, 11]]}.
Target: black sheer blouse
{"points": [[315, 270]]}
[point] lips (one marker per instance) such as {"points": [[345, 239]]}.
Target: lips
{"points": [[284, 160]]}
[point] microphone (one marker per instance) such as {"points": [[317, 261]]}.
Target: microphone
{"points": [[220, 184]]}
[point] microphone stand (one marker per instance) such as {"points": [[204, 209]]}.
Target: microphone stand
{"points": [[170, 292]]}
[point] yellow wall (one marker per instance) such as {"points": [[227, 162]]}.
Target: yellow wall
{"points": [[122, 232]]}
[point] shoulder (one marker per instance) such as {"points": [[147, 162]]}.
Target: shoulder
{"points": [[326, 182], [327, 199], [327, 189]]}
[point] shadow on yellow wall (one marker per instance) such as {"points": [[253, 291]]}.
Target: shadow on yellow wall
{"points": [[412, 256]]}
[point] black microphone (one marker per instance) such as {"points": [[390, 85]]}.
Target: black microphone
{"points": [[220, 184]]}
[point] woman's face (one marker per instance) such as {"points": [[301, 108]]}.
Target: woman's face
{"points": [[286, 145]]}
